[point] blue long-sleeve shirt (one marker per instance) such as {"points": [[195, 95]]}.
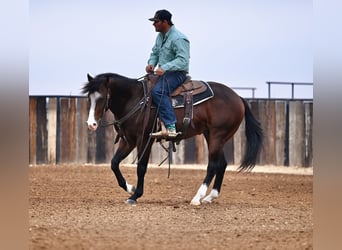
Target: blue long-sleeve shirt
{"points": [[171, 53]]}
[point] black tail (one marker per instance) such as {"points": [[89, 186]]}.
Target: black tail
{"points": [[254, 137]]}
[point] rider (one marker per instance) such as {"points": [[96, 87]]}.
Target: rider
{"points": [[170, 53]]}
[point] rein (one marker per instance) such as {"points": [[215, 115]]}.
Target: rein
{"points": [[128, 115]]}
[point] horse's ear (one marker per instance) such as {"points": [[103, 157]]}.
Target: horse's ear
{"points": [[89, 77]]}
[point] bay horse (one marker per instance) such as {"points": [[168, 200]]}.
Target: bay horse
{"points": [[217, 119]]}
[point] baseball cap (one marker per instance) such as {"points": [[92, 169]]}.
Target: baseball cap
{"points": [[161, 15]]}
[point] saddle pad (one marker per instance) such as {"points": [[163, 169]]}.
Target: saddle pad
{"points": [[178, 100]]}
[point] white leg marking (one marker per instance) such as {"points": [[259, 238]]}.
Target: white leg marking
{"points": [[212, 196], [130, 188], [199, 195], [91, 122]]}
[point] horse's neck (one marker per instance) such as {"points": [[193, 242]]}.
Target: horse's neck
{"points": [[125, 96]]}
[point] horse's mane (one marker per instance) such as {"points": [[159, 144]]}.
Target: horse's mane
{"points": [[93, 85]]}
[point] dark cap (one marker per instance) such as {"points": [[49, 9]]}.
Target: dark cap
{"points": [[162, 15]]}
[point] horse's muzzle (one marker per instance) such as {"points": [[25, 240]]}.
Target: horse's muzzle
{"points": [[92, 126]]}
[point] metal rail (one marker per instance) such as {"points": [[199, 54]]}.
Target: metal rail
{"points": [[286, 83]]}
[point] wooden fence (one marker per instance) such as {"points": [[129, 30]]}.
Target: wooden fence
{"points": [[58, 134]]}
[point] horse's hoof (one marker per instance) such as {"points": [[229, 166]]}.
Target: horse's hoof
{"points": [[204, 201], [131, 202], [195, 203]]}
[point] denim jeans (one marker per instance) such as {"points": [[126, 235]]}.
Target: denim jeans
{"points": [[161, 92]]}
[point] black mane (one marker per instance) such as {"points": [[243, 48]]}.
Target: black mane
{"points": [[95, 83], [91, 87]]}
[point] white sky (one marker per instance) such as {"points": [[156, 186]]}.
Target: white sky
{"points": [[241, 43]]}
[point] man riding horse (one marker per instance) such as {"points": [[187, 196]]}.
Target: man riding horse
{"points": [[170, 53], [217, 117]]}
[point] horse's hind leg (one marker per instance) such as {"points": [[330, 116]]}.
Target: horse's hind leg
{"points": [[216, 166], [220, 168], [204, 187]]}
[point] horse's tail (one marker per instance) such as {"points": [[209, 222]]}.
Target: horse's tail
{"points": [[254, 137]]}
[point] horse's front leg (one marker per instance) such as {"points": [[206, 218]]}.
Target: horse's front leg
{"points": [[121, 153], [143, 156]]}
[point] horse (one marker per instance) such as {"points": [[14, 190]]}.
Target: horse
{"points": [[217, 118]]}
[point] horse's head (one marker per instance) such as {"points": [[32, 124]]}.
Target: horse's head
{"points": [[97, 91]]}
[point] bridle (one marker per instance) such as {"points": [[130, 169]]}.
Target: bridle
{"points": [[105, 109], [138, 107]]}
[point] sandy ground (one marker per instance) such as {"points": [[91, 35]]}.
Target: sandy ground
{"points": [[82, 207], [256, 169]]}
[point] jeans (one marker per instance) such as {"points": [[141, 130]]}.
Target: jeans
{"points": [[161, 92]]}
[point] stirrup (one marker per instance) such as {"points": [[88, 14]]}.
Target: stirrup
{"points": [[165, 134]]}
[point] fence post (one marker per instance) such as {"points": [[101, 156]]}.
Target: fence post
{"points": [[268, 121], [280, 135], [33, 130], [239, 142], [42, 132], [52, 129], [308, 134], [81, 130], [296, 133], [67, 130]]}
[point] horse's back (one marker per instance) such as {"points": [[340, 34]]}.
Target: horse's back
{"points": [[225, 94], [224, 110]]}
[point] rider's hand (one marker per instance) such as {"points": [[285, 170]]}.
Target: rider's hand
{"points": [[149, 68], [159, 71]]}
